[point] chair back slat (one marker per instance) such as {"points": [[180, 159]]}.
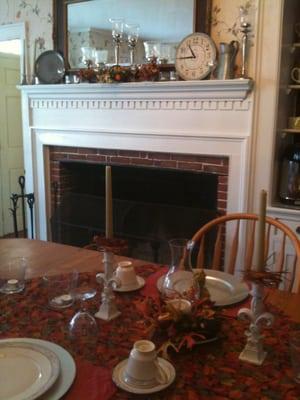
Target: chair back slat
{"points": [[234, 248], [231, 252], [250, 245], [200, 255], [267, 242], [281, 255], [216, 263]]}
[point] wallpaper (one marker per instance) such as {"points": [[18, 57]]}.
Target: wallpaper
{"points": [[38, 17]]}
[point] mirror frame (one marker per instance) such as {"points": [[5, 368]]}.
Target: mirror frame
{"points": [[60, 17]]}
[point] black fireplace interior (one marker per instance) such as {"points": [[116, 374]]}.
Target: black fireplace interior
{"points": [[150, 206]]}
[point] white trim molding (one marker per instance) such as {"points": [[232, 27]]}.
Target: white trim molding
{"points": [[161, 119]]}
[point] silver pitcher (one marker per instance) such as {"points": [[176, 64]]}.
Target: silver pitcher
{"points": [[226, 64]]}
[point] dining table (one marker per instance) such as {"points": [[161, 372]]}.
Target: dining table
{"points": [[209, 370]]}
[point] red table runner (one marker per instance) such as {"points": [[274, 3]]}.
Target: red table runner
{"points": [[210, 371]]}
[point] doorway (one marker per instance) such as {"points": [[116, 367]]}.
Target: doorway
{"points": [[11, 137]]}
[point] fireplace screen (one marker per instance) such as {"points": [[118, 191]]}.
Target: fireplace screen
{"points": [[150, 206]]}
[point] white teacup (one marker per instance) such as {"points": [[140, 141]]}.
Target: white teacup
{"points": [[126, 274], [142, 368], [295, 74]]}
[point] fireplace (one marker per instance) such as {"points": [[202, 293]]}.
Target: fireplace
{"points": [[156, 196], [155, 125]]}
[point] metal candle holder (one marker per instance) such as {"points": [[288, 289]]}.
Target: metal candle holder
{"points": [[245, 29], [108, 309], [253, 351]]}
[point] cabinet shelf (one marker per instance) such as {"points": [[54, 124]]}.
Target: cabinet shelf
{"points": [[290, 130], [294, 46], [292, 87]]}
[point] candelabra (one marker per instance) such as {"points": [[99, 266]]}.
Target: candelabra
{"points": [[245, 28], [253, 351], [117, 34], [132, 38], [108, 309]]}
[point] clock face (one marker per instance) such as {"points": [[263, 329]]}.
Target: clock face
{"points": [[195, 56]]}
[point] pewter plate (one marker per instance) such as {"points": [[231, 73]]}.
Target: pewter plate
{"points": [[225, 289], [50, 67]]}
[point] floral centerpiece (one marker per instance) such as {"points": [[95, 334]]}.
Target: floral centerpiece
{"points": [[179, 323]]}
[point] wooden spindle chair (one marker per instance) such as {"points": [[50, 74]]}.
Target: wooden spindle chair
{"points": [[228, 243]]}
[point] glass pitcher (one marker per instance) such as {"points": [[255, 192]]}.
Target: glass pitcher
{"points": [[180, 282]]}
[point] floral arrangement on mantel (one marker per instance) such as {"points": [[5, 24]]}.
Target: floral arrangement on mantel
{"points": [[118, 73], [177, 328]]}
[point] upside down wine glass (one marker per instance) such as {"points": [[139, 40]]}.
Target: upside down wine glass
{"points": [[83, 326]]}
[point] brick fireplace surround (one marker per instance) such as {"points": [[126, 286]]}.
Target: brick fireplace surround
{"points": [[196, 125], [186, 162]]}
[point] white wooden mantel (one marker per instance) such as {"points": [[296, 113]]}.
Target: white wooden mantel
{"points": [[189, 117]]}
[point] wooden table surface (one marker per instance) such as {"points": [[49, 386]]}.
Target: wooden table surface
{"points": [[51, 258]]}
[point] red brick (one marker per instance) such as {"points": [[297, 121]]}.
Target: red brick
{"points": [[96, 157], [190, 166], [165, 163], [222, 195], [222, 204], [87, 151], [120, 160], [143, 161], [218, 169], [223, 179], [129, 153], [222, 187], [159, 156], [108, 152], [81, 157]]}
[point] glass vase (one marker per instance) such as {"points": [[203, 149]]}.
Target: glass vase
{"points": [[180, 281]]}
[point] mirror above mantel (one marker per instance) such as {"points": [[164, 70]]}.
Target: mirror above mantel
{"points": [[82, 25]]}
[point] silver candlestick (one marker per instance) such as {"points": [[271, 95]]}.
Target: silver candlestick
{"points": [[108, 309], [245, 28], [253, 351], [132, 39], [117, 35]]}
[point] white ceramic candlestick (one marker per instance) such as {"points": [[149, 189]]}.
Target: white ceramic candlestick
{"points": [[108, 309], [256, 315]]}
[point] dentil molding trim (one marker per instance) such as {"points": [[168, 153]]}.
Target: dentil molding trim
{"points": [[208, 95]]}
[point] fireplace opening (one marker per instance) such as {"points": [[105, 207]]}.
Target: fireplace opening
{"points": [[150, 205]]}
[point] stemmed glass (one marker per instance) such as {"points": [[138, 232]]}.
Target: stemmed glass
{"points": [[117, 34], [132, 31], [83, 326]]}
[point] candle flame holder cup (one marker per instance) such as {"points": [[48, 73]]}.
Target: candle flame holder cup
{"points": [[12, 275]]}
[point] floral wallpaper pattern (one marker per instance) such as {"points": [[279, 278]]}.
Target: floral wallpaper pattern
{"points": [[38, 17], [37, 14]]}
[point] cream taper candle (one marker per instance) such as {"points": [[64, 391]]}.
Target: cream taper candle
{"points": [[108, 204], [260, 261]]}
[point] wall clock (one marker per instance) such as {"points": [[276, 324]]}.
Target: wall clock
{"points": [[195, 56]]}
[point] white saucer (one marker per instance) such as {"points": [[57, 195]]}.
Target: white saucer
{"points": [[118, 378], [129, 288]]}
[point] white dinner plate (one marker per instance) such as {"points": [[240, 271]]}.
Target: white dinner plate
{"points": [[67, 367], [27, 370], [118, 378], [224, 289]]}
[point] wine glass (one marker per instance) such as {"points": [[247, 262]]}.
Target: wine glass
{"points": [[132, 31], [117, 34], [83, 327]]}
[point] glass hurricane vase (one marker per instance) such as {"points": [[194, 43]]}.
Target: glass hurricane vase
{"points": [[180, 281]]}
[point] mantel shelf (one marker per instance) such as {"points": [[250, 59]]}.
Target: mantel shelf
{"points": [[231, 89]]}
